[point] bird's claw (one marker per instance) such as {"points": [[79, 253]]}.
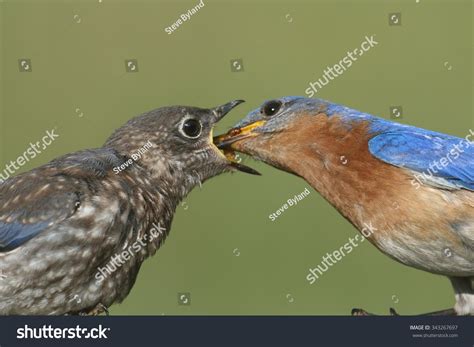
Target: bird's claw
{"points": [[104, 309], [97, 310], [360, 312], [393, 312]]}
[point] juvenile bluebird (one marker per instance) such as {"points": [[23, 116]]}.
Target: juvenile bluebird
{"points": [[414, 186], [74, 232]]}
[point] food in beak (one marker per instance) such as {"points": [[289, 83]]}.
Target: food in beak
{"points": [[234, 135], [223, 147]]}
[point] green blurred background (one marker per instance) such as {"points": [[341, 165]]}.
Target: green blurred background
{"points": [[223, 248]]}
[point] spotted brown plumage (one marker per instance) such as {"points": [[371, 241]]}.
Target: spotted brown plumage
{"points": [[64, 221]]}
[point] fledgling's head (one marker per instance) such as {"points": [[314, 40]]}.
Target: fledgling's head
{"points": [[176, 141]]}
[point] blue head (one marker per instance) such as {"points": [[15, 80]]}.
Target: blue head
{"points": [[282, 130]]}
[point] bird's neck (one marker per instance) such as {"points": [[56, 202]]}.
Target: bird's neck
{"points": [[155, 196], [337, 163]]}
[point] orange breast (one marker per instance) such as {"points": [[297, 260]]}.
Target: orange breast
{"points": [[336, 161]]}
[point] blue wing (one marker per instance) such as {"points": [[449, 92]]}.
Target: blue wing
{"points": [[32, 202], [440, 160], [31, 205], [444, 160], [13, 235]]}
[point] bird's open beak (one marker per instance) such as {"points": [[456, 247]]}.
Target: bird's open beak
{"points": [[228, 152], [226, 141], [221, 111]]}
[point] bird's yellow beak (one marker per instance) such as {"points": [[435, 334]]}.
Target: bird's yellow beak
{"points": [[224, 142]]}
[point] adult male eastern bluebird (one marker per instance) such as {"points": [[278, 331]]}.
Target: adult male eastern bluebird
{"points": [[414, 186], [74, 232]]}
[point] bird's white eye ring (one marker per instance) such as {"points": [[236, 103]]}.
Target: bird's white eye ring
{"points": [[191, 128]]}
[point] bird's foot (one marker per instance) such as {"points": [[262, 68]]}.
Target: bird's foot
{"points": [[360, 312], [97, 310]]}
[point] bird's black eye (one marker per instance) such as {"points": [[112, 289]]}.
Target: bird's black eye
{"points": [[191, 128], [271, 108]]}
